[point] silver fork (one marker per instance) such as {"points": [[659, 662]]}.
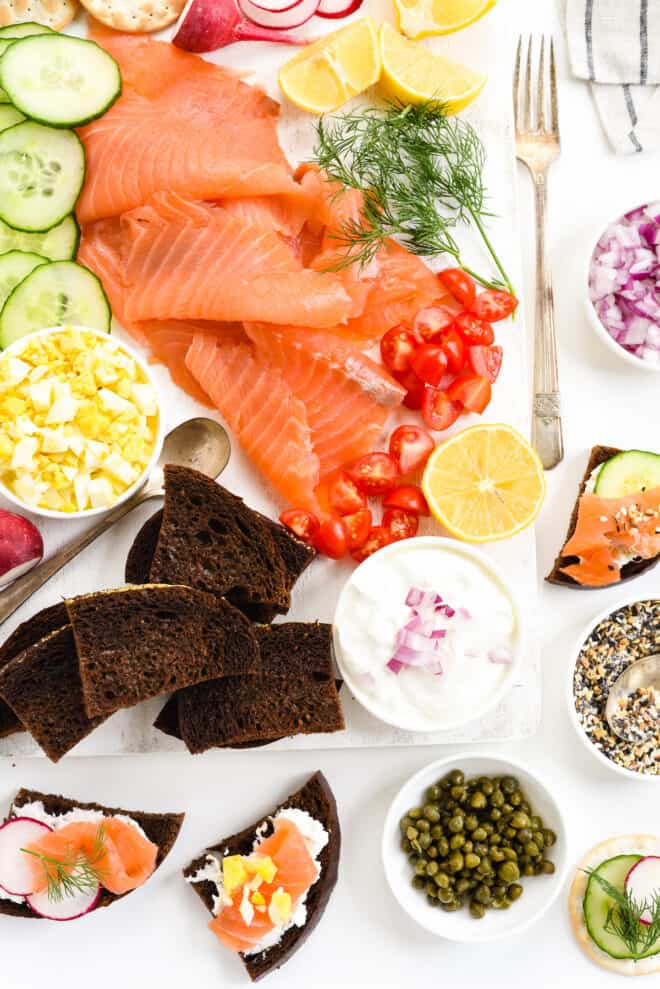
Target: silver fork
{"points": [[537, 146]]}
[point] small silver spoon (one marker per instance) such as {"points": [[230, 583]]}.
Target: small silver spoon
{"points": [[198, 443], [642, 673]]}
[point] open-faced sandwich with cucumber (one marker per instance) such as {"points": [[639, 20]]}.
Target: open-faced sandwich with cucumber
{"points": [[50, 83], [614, 904], [614, 532]]}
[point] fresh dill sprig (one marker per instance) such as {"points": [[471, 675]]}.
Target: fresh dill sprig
{"points": [[77, 873], [421, 176], [623, 921]]}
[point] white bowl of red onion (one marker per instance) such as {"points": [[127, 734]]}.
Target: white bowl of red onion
{"points": [[623, 287]]}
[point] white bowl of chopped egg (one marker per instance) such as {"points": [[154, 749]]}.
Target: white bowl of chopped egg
{"points": [[82, 426]]}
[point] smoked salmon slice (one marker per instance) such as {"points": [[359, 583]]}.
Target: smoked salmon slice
{"points": [[258, 405], [181, 124]]}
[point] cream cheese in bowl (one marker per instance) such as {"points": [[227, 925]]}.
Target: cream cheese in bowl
{"points": [[427, 634]]}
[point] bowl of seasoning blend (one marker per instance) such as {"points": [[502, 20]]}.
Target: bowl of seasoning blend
{"points": [[604, 650]]}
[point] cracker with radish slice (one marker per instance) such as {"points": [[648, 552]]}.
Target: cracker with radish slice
{"points": [[55, 14], [136, 16]]}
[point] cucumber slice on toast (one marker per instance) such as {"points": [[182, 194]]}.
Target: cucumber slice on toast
{"points": [[9, 116], [41, 174], [59, 80], [54, 294], [597, 905], [60, 243], [14, 267], [627, 473], [25, 29]]}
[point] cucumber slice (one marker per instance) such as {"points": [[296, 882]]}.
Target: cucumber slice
{"points": [[41, 174], [597, 903], [14, 267], [53, 295], [60, 80], [9, 116], [627, 473], [24, 30], [60, 243]]}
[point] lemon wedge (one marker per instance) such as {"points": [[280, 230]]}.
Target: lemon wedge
{"points": [[326, 74], [413, 74], [485, 483], [419, 18]]}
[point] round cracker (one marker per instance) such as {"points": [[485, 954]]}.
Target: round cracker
{"points": [[137, 16], [55, 14], [625, 844]]}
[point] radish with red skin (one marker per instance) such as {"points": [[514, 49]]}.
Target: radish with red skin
{"points": [[279, 20], [21, 546], [207, 25], [643, 883], [333, 9], [16, 876], [68, 908]]}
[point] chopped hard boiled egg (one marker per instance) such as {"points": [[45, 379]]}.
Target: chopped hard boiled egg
{"points": [[78, 421]]}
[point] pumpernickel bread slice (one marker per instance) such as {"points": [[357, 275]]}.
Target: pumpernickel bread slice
{"points": [[26, 634], [141, 553], [318, 800], [162, 829], [42, 686], [599, 455], [139, 642], [210, 540]]}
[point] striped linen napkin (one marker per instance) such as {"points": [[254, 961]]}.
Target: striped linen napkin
{"points": [[615, 46]]}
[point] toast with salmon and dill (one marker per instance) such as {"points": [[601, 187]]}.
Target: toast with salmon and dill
{"points": [[27, 634], [116, 850], [614, 530], [135, 643], [284, 867]]}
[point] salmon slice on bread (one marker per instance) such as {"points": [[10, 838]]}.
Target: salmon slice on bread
{"points": [[317, 799], [161, 829]]}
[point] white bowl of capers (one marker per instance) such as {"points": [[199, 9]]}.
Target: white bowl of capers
{"points": [[474, 848]]}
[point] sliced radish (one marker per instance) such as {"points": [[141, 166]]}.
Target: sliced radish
{"points": [[16, 877], [275, 6], [206, 25], [338, 8], [278, 20], [643, 883], [68, 908], [21, 546]]}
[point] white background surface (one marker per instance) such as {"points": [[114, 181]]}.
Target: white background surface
{"points": [[158, 936]]}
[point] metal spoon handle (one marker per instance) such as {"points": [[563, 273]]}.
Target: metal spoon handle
{"points": [[25, 586]]}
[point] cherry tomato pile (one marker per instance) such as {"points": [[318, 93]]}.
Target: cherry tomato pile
{"points": [[446, 362], [349, 526]]}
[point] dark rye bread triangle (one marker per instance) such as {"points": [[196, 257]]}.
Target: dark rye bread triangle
{"points": [[162, 829], [318, 800], [42, 686], [295, 554], [599, 455], [210, 540], [295, 693], [26, 634], [139, 642]]}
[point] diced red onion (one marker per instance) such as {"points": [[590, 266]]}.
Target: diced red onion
{"points": [[464, 613], [501, 656], [395, 666]]}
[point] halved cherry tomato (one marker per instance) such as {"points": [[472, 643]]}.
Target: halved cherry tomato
{"points": [[408, 497], [397, 346], [473, 330], [471, 391], [344, 496], [438, 410], [400, 524], [431, 321], [377, 538], [493, 305], [358, 527], [459, 283], [331, 538], [374, 474], [302, 523], [454, 347], [486, 361], [414, 388], [411, 446], [429, 362]]}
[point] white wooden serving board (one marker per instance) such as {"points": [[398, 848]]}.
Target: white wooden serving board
{"points": [[102, 565]]}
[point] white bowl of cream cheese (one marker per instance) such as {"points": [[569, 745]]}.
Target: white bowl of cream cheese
{"points": [[475, 633]]}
